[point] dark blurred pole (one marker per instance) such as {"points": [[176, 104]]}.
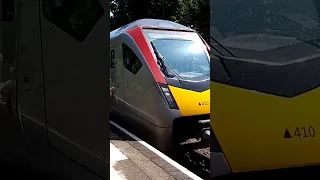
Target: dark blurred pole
{"points": [[1, 55]]}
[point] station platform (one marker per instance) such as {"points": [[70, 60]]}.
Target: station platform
{"points": [[131, 159]]}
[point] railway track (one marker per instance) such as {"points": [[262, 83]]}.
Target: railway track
{"points": [[193, 152], [195, 155]]}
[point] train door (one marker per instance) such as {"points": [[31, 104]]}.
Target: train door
{"points": [[119, 96], [30, 94], [76, 74], [133, 81], [112, 76]]}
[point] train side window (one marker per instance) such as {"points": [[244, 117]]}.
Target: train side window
{"points": [[75, 17], [130, 60]]}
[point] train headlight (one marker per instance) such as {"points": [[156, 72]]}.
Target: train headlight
{"points": [[168, 96]]}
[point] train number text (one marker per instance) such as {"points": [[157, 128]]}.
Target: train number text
{"points": [[305, 132]]}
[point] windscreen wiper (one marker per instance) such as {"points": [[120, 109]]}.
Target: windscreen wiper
{"points": [[160, 61], [169, 67], [222, 46], [221, 55]]}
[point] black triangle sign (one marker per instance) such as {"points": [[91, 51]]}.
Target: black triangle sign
{"points": [[287, 135], [199, 104]]}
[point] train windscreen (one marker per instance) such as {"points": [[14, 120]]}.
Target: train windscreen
{"points": [[269, 46], [268, 30], [183, 53]]}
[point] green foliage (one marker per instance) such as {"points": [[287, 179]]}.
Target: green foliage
{"points": [[192, 13]]}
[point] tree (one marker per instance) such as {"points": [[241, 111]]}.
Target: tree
{"points": [[192, 13]]}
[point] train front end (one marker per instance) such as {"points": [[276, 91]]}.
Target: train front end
{"points": [[183, 59], [265, 85]]}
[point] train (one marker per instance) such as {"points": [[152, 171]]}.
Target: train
{"points": [[58, 121], [265, 86], [160, 81]]}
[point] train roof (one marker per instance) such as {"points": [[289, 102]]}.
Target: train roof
{"points": [[151, 23]]}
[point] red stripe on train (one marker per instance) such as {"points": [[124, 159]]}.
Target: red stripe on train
{"points": [[138, 37]]}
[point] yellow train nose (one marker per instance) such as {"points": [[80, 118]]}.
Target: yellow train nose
{"points": [[257, 131], [191, 103]]}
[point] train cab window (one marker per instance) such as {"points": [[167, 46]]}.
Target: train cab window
{"points": [[130, 60], [75, 17]]}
